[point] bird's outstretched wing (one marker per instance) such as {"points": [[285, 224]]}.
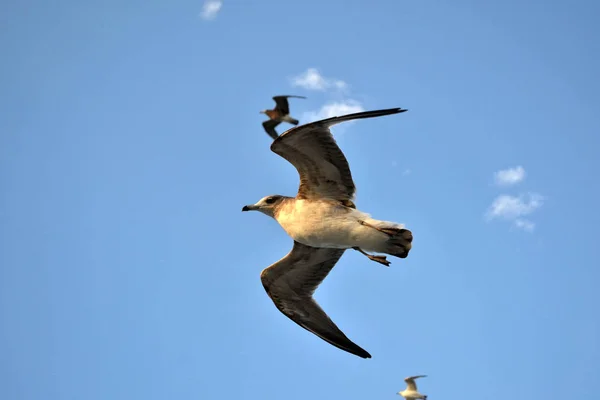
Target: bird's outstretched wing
{"points": [[282, 105], [291, 282], [323, 168], [269, 126], [410, 381]]}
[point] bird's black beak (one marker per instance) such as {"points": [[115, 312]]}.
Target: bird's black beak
{"points": [[249, 208], [245, 208]]}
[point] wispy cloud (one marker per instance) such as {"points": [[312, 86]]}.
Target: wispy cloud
{"points": [[210, 9], [514, 208], [509, 176], [311, 79], [525, 224], [333, 109], [405, 171], [511, 207], [340, 102]]}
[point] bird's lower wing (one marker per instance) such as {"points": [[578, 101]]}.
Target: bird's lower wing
{"points": [[307, 313], [290, 283], [269, 127]]}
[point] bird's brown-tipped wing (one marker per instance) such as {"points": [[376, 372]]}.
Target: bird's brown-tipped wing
{"points": [[282, 105], [291, 282], [269, 126], [323, 168], [410, 381]]}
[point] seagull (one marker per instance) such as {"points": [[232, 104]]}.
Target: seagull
{"points": [[324, 222], [280, 113], [411, 392]]}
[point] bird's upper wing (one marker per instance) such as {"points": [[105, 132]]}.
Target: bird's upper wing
{"points": [[323, 168], [282, 104], [410, 381], [269, 126], [290, 283]]}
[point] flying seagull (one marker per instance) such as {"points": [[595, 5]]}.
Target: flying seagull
{"points": [[279, 114], [324, 222], [411, 392]]}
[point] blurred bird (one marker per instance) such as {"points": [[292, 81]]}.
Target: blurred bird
{"points": [[281, 113], [411, 392], [324, 222]]}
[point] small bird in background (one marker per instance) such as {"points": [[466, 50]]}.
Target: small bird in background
{"points": [[281, 113], [411, 392]]}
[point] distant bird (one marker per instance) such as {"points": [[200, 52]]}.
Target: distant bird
{"points": [[279, 114], [324, 222], [411, 392]]}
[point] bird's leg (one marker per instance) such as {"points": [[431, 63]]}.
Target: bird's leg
{"points": [[379, 259], [387, 231]]}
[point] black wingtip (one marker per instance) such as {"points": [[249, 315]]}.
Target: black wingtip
{"points": [[288, 96], [359, 351], [272, 135], [360, 115], [347, 345], [364, 355], [329, 122]]}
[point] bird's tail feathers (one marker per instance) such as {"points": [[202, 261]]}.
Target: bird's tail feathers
{"points": [[291, 120], [400, 242]]}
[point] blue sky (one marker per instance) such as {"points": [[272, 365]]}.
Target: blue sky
{"points": [[130, 139]]}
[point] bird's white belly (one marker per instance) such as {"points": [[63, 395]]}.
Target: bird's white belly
{"points": [[323, 224]]}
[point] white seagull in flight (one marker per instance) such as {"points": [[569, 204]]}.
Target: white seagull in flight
{"points": [[324, 222], [411, 392]]}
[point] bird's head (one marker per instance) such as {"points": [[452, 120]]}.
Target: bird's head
{"points": [[267, 205]]}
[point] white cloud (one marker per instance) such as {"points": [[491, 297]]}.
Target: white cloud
{"points": [[333, 109], [405, 171], [311, 79], [512, 207], [211, 8], [525, 224], [509, 176]]}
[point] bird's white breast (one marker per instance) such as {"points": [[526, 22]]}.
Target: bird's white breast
{"points": [[320, 223]]}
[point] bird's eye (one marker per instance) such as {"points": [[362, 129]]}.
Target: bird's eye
{"points": [[270, 200]]}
